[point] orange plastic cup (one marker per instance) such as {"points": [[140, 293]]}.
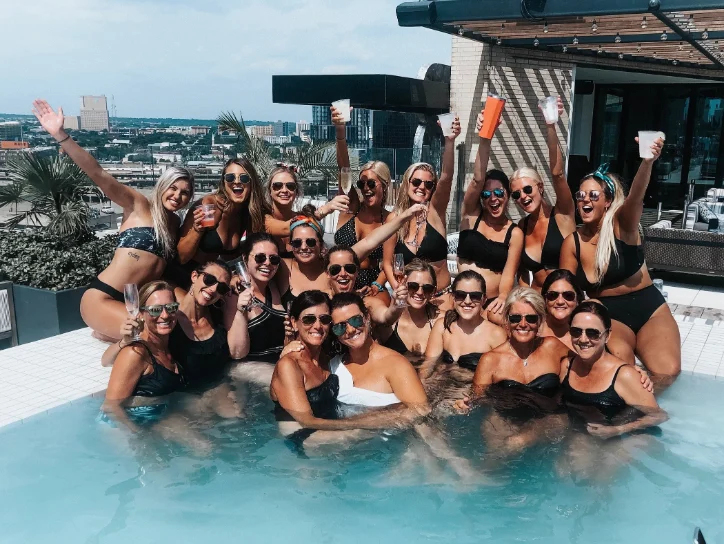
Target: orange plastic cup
{"points": [[491, 115]]}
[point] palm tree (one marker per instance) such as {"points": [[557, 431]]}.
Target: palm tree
{"points": [[53, 187]]}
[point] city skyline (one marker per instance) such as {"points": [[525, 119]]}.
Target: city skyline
{"points": [[199, 70]]}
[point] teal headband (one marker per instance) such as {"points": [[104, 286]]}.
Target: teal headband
{"points": [[602, 174], [303, 220]]}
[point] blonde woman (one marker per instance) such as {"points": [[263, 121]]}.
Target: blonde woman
{"points": [[424, 237], [607, 256], [147, 235], [545, 226]]}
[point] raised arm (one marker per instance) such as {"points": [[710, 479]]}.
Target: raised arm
{"points": [[564, 199], [386, 315], [441, 196], [340, 127], [236, 322], [192, 231], [383, 234], [123, 195], [629, 214]]}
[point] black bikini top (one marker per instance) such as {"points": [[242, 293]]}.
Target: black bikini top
{"points": [[469, 360], [395, 342], [546, 384], [211, 243], [608, 402], [161, 381], [322, 399], [266, 332], [551, 251], [142, 239], [485, 253], [199, 361], [432, 249], [629, 261]]}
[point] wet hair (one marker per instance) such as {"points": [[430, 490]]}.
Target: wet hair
{"points": [[254, 239], [153, 287], [500, 176], [256, 204], [159, 215], [595, 308], [341, 249], [530, 297], [308, 299], [565, 275], [292, 171], [341, 300], [403, 199], [218, 262], [451, 316]]}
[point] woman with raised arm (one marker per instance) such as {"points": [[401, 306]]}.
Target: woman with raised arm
{"points": [[607, 256], [366, 215], [490, 243], [147, 235], [545, 226], [562, 294], [424, 237]]}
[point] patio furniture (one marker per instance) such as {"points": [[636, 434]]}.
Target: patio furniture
{"points": [[684, 250], [7, 313]]}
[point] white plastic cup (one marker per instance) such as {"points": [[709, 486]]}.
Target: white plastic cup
{"points": [[343, 107], [549, 106], [646, 140], [446, 123]]}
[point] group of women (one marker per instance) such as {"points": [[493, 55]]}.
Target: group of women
{"points": [[513, 329]]}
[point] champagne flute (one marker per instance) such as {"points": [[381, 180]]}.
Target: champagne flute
{"points": [[133, 305], [345, 179], [398, 269], [245, 278]]}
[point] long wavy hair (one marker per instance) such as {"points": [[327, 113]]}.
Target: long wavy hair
{"points": [[159, 214], [256, 204], [404, 202]]}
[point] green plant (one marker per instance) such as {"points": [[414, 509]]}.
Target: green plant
{"points": [[53, 189], [38, 258]]}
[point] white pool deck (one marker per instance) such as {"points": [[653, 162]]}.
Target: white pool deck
{"points": [[42, 375]]}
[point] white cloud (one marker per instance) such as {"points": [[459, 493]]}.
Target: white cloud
{"points": [[188, 58]]}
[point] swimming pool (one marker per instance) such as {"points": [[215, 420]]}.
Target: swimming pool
{"points": [[66, 478]]}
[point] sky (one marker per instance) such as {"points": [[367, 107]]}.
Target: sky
{"points": [[196, 58]]}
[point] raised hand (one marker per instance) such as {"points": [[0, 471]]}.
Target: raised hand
{"points": [[479, 123], [656, 149], [244, 300], [416, 209], [128, 328], [337, 118], [50, 120], [339, 203]]}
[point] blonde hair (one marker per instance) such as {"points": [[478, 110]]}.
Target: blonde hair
{"points": [[159, 214], [404, 202], [282, 170], [606, 237], [153, 287], [380, 169], [527, 172], [530, 297]]}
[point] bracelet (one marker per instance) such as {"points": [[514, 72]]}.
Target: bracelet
{"points": [[64, 139], [380, 288]]}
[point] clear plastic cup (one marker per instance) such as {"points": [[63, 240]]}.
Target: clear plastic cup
{"points": [[446, 123], [343, 107], [646, 140], [549, 106], [208, 220]]}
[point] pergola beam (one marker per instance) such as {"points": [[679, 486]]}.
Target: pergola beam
{"points": [[688, 38], [595, 40]]}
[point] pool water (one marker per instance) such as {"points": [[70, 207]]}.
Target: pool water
{"points": [[64, 477]]}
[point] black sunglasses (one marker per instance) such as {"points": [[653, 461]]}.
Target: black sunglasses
{"points": [[157, 309], [261, 258], [429, 185], [528, 189], [356, 322], [311, 319], [570, 296], [290, 185], [297, 242], [361, 182], [593, 195], [517, 318], [210, 280], [427, 288], [460, 296], [231, 178], [591, 334], [335, 269], [500, 193]]}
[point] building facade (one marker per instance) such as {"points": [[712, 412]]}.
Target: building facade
{"points": [[71, 122], [11, 131], [94, 113], [359, 128]]}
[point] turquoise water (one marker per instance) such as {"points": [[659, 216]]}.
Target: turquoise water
{"points": [[66, 478]]}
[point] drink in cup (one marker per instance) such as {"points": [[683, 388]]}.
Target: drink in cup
{"points": [[446, 123], [491, 115], [549, 106], [342, 106], [208, 220], [646, 140], [345, 179]]}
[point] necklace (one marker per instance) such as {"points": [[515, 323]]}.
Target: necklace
{"points": [[525, 361]]}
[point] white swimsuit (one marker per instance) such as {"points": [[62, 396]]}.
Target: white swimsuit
{"points": [[349, 394]]}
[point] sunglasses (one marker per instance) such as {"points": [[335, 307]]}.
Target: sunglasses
{"points": [[361, 182], [290, 185], [593, 195], [157, 309], [337, 268], [591, 334], [500, 193], [356, 322], [532, 319], [310, 319], [460, 296], [261, 258], [569, 296], [528, 189], [297, 243], [231, 178], [211, 280], [414, 287], [429, 185]]}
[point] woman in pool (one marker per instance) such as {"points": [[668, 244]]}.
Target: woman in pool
{"points": [[562, 294], [424, 237], [607, 256], [148, 232], [411, 332], [490, 243], [463, 335], [545, 226]]}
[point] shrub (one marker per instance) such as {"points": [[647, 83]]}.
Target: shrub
{"points": [[46, 261]]}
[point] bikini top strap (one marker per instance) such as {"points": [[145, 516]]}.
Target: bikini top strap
{"points": [[477, 222], [615, 375], [509, 234], [148, 350], [570, 365], [268, 296], [578, 247], [525, 225]]}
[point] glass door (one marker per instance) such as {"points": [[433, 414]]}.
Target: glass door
{"points": [[669, 171], [610, 106], [705, 167]]}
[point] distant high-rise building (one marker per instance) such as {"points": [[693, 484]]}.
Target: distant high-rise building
{"points": [[302, 126], [71, 122], [358, 128], [284, 128], [11, 131], [94, 113]]}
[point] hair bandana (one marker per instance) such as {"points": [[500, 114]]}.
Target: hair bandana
{"points": [[291, 167], [306, 221], [602, 174]]}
